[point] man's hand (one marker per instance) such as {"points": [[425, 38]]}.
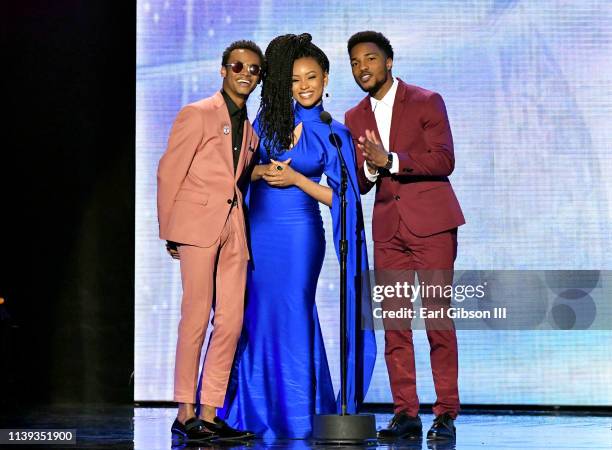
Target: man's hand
{"points": [[260, 169], [172, 249], [372, 150]]}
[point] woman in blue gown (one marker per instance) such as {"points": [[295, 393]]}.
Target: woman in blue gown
{"points": [[281, 375]]}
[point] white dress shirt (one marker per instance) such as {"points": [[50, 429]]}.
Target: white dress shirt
{"points": [[383, 112]]}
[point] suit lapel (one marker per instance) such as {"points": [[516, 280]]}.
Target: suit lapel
{"points": [[399, 105], [246, 143], [368, 117], [224, 125]]}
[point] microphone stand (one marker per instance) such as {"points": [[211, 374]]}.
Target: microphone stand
{"points": [[343, 428], [343, 272]]}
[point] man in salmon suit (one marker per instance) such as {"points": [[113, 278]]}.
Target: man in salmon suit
{"points": [[201, 181]]}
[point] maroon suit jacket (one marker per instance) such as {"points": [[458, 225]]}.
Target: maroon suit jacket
{"points": [[420, 193]]}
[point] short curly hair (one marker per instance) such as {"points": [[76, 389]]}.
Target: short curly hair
{"points": [[245, 45], [371, 36]]}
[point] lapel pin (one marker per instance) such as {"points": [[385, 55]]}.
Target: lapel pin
{"points": [[226, 129]]}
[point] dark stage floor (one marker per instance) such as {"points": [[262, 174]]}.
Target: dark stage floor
{"points": [[148, 429]]}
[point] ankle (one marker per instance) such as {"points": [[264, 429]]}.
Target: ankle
{"points": [[208, 413], [183, 418], [185, 412]]}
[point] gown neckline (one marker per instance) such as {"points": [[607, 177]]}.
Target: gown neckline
{"points": [[311, 114], [301, 115]]}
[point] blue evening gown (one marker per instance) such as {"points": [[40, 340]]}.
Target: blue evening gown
{"points": [[281, 376]]}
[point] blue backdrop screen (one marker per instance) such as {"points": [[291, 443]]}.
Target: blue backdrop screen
{"points": [[528, 88]]}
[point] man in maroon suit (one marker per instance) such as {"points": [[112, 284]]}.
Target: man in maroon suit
{"points": [[404, 147]]}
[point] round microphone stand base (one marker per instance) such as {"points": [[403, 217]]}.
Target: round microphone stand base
{"points": [[348, 429]]}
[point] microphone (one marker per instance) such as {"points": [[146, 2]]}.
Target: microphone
{"points": [[325, 117], [343, 427]]}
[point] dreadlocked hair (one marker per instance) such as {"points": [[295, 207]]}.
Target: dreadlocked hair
{"points": [[276, 120]]}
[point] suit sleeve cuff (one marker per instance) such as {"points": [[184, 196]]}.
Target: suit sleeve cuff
{"points": [[369, 176], [395, 167]]}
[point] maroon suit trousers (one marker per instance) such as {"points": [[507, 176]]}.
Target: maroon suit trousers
{"points": [[406, 251]]}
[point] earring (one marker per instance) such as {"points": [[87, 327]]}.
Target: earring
{"points": [[327, 95]]}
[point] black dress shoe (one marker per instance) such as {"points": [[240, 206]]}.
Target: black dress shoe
{"points": [[443, 429], [223, 431], [193, 430], [402, 426]]}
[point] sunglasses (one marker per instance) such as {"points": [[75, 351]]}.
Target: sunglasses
{"points": [[237, 67]]}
